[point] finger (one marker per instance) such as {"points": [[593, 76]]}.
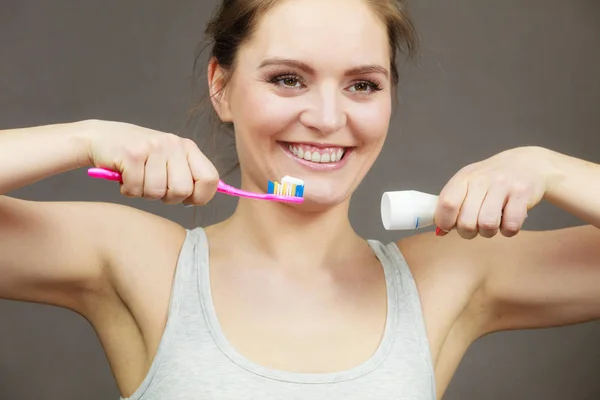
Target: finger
{"points": [[204, 173], [449, 204], [133, 172], [180, 183], [466, 224], [490, 215], [513, 216], [155, 177]]}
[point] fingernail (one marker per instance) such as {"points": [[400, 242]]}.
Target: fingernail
{"points": [[439, 231], [188, 205]]}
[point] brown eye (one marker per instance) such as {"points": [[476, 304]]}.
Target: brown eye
{"points": [[365, 87], [361, 87], [290, 81], [287, 81]]}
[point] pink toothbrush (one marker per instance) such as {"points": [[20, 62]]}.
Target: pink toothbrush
{"points": [[290, 189]]}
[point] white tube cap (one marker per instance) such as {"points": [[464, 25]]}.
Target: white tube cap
{"points": [[407, 209]]}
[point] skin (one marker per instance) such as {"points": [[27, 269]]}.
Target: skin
{"points": [[484, 275]]}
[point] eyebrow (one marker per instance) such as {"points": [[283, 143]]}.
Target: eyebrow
{"points": [[359, 70]]}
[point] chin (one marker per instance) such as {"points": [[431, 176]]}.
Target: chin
{"points": [[322, 196]]}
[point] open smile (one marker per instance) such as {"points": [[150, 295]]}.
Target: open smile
{"points": [[316, 156]]}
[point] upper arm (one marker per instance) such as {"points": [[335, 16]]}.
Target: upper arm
{"points": [[63, 253], [532, 280], [540, 279]]}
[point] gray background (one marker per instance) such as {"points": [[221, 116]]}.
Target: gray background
{"points": [[491, 75]]}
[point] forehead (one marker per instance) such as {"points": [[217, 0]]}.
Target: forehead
{"points": [[321, 31]]}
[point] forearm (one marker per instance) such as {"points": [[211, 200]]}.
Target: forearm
{"points": [[28, 155], [574, 186]]}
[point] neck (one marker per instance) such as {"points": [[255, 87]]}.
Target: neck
{"points": [[284, 233]]}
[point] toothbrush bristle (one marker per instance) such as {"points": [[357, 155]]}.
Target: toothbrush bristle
{"points": [[285, 189], [271, 188]]}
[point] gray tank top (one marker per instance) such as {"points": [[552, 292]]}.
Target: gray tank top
{"points": [[195, 361]]}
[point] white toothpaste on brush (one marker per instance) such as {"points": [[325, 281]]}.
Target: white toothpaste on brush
{"points": [[407, 209], [290, 186]]}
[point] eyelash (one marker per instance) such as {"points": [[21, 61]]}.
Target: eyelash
{"points": [[276, 80]]}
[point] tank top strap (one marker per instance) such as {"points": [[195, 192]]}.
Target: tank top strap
{"points": [[404, 294], [186, 284], [185, 310]]}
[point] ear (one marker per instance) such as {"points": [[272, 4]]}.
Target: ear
{"points": [[216, 87]]}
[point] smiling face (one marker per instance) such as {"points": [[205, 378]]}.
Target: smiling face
{"points": [[310, 97]]}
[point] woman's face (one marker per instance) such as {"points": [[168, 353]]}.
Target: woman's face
{"points": [[310, 97]]}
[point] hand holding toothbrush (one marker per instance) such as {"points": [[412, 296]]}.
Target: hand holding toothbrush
{"points": [[154, 165], [157, 165]]}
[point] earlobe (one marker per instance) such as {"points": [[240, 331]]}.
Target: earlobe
{"points": [[216, 87]]}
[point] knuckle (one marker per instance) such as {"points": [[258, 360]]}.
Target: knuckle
{"points": [[448, 205], [467, 234], [181, 191], [467, 227], [156, 144], [131, 191], [155, 193], [488, 225], [172, 141], [209, 178], [500, 179], [188, 143], [488, 234], [136, 153], [201, 196], [511, 227], [507, 233], [468, 168], [520, 187]]}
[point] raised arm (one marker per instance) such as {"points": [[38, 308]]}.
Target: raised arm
{"points": [[59, 253], [48, 252], [534, 279], [31, 154]]}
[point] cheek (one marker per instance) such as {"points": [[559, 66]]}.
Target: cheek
{"points": [[258, 113], [371, 120]]}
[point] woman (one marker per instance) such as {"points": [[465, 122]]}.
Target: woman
{"points": [[286, 301]]}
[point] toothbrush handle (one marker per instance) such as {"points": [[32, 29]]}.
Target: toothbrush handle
{"points": [[222, 187], [233, 191], [103, 173]]}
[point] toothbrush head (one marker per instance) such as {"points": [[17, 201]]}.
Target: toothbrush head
{"points": [[289, 186]]}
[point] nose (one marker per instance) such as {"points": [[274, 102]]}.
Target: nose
{"points": [[325, 112]]}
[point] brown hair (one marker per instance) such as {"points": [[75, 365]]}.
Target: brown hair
{"points": [[236, 20]]}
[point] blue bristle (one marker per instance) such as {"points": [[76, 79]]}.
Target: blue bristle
{"points": [[271, 189], [300, 191]]}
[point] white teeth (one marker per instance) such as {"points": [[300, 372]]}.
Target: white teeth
{"points": [[316, 157]]}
